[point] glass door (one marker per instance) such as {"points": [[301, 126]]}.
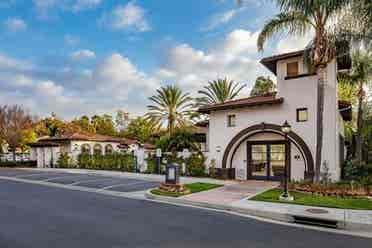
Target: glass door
{"points": [[266, 159], [259, 161]]}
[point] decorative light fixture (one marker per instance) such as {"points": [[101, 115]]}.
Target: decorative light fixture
{"points": [[286, 129]]}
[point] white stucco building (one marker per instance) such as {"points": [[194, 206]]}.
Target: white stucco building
{"points": [[245, 138], [47, 150]]}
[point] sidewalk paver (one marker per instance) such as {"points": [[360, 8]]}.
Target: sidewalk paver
{"points": [[231, 193]]}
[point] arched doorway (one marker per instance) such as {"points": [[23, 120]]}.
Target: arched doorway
{"points": [[293, 139]]}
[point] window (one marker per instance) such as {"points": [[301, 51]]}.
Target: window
{"points": [[231, 120], [108, 149], [302, 115], [97, 149], [85, 149], [292, 69]]}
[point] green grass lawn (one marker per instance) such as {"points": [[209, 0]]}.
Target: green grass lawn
{"points": [[193, 187], [313, 200]]}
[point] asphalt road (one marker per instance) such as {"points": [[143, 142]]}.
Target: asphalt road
{"points": [[43, 217]]}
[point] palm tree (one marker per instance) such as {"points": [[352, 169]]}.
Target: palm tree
{"points": [[298, 17], [170, 106], [360, 75], [219, 91]]}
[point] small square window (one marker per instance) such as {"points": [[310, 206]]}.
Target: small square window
{"points": [[302, 115], [292, 69], [231, 120]]}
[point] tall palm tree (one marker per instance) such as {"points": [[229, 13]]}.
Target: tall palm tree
{"points": [[361, 76], [219, 91], [170, 106], [298, 17]]}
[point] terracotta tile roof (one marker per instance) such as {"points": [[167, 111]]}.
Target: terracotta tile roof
{"points": [[268, 99]]}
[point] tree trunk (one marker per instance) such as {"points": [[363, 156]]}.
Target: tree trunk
{"points": [[359, 138], [320, 109]]}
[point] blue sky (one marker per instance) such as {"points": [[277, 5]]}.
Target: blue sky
{"points": [[77, 57]]}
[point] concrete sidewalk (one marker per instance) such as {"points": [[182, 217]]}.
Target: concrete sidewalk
{"points": [[357, 221]]}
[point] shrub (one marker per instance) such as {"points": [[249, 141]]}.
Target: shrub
{"points": [[195, 165], [151, 166], [115, 161], [64, 161]]}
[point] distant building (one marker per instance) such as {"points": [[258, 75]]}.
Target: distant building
{"points": [[46, 151]]}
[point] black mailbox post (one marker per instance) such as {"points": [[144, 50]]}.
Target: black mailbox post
{"points": [[172, 175]]}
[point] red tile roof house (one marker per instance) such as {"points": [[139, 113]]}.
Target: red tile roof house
{"points": [[47, 150], [244, 136]]}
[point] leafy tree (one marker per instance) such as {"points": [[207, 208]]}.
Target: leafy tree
{"points": [[141, 129], [104, 125], [28, 136], [297, 18], [182, 138], [14, 120], [170, 106], [85, 124], [219, 91], [263, 86], [54, 127], [360, 76]]}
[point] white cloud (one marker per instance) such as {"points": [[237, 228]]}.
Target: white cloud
{"points": [[117, 76], [128, 17], [83, 54], [220, 19], [293, 43], [15, 24], [235, 58]]}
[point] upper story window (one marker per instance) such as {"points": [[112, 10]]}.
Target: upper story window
{"points": [[292, 69], [231, 120], [302, 115]]}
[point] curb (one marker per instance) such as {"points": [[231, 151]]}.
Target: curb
{"points": [[269, 215], [258, 213]]}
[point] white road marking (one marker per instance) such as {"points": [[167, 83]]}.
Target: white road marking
{"points": [[122, 184]]}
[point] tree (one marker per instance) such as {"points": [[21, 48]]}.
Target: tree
{"points": [[84, 124], [182, 138], [219, 91], [141, 129], [14, 120], [297, 18], [263, 86], [360, 76], [104, 125], [170, 107]]}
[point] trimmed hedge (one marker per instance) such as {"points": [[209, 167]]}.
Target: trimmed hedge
{"points": [[115, 161], [23, 164]]}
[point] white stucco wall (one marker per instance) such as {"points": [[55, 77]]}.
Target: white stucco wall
{"points": [[46, 157], [297, 93]]}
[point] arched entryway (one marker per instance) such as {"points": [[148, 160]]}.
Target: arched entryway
{"points": [[293, 138]]}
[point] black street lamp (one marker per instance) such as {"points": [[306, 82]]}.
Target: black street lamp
{"points": [[286, 129]]}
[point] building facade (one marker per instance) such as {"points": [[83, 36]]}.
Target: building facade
{"points": [[245, 136]]}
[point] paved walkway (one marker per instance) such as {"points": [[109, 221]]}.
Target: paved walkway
{"points": [[232, 193]]}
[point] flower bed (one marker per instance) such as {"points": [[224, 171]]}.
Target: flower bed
{"points": [[341, 189]]}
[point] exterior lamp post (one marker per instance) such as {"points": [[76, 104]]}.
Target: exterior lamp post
{"points": [[286, 129], [158, 161]]}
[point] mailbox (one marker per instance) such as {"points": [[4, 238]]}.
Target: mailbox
{"points": [[172, 174]]}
